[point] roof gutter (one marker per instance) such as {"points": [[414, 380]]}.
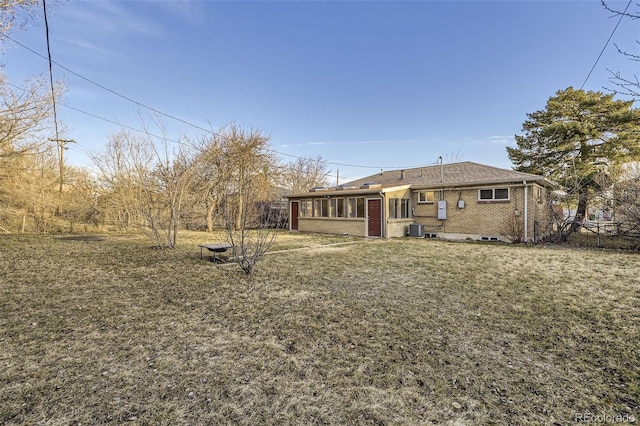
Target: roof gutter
{"points": [[469, 185]]}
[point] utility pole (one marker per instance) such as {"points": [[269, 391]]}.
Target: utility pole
{"points": [[61, 147]]}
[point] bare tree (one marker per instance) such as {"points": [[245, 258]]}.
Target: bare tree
{"points": [[24, 116], [147, 183], [119, 167], [305, 173], [80, 199], [626, 85], [31, 191], [251, 238], [210, 177], [173, 172], [17, 13], [626, 198], [453, 156], [246, 167]]}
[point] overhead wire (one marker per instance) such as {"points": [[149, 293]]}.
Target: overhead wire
{"points": [[101, 86], [125, 126], [176, 141], [209, 131], [170, 116], [53, 92], [622, 15]]}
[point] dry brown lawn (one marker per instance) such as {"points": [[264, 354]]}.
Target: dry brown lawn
{"points": [[400, 331]]}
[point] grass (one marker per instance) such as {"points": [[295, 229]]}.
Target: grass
{"points": [[609, 241], [374, 332]]}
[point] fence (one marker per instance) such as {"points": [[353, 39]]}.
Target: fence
{"points": [[608, 234]]}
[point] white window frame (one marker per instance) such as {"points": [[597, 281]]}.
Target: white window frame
{"points": [[398, 206], [352, 208], [426, 201], [405, 207], [493, 194]]}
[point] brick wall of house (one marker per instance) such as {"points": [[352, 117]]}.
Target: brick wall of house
{"points": [[541, 209], [332, 225], [475, 218], [398, 227]]}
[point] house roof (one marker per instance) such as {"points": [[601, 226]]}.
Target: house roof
{"points": [[466, 173], [346, 190], [462, 174]]}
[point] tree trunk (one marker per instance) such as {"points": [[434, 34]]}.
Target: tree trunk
{"points": [[210, 210], [581, 212]]}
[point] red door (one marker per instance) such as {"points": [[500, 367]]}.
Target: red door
{"points": [[374, 218], [294, 215]]}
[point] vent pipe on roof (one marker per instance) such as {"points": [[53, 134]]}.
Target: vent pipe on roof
{"points": [[401, 174]]}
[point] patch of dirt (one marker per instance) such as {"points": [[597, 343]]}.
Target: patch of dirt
{"points": [[81, 238], [327, 249]]}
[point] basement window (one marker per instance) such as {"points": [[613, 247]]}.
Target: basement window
{"points": [[493, 194]]}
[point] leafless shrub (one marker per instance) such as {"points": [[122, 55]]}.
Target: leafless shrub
{"points": [[514, 229], [253, 237], [247, 165]]}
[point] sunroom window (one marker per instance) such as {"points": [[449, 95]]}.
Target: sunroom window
{"points": [[398, 208]]}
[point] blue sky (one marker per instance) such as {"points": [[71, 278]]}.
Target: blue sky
{"points": [[376, 84]]}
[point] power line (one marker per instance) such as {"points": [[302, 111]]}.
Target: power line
{"points": [[61, 142], [176, 141], [140, 104], [127, 98], [605, 45], [53, 94], [125, 126], [335, 163]]}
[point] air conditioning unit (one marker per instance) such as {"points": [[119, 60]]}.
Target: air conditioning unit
{"points": [[416, 231]]}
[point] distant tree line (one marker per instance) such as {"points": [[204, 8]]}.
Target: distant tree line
{"points": [[138, 182]]}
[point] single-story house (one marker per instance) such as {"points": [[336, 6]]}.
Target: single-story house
{"points": [[463, 200]]}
